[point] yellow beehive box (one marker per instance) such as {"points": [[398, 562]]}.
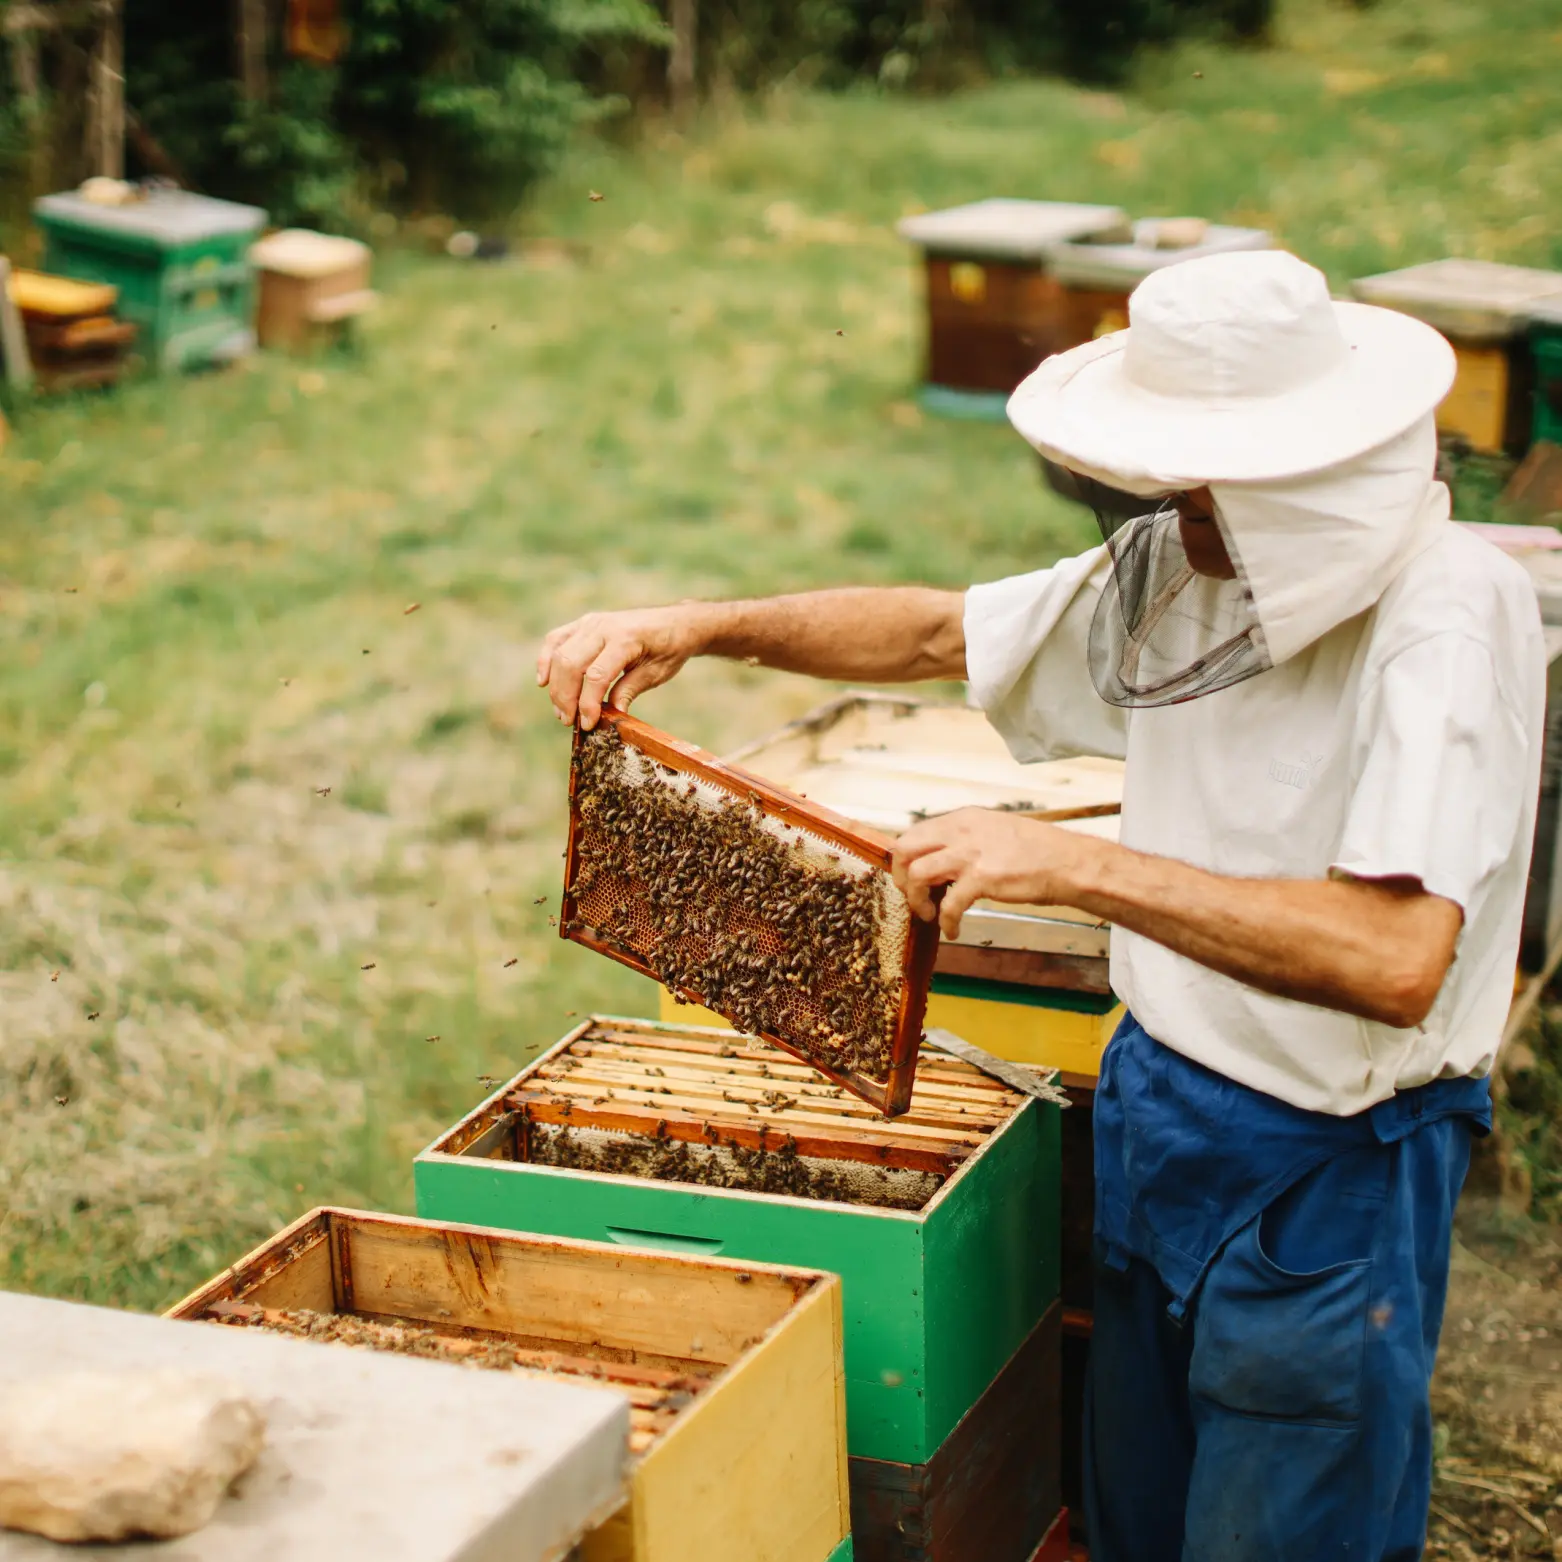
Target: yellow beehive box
{"points": [[733, 1371], [1483, 309]]}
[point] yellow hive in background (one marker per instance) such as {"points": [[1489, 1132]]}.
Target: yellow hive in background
{"points": [[1024, 1029], [1476, 409]]}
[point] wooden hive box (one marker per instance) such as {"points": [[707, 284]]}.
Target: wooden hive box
{"points": [[994, 310], [732, 1371], [1097, 277], [1483, 309], [943, 1224], [310, 284]]}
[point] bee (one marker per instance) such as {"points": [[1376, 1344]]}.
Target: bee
{"points": [[514, 960], [487, 1081], [431, 1038], [54, 976], [595, 195], [62, 1100], [537, 902], [366, 650], [92, 1014], [411, 607], [322, 791]]}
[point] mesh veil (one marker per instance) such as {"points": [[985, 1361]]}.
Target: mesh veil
{"points": [[1162, 633]]}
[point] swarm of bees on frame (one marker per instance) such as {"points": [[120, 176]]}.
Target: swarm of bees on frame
{"points": [[759, 1170], [752, 921]]}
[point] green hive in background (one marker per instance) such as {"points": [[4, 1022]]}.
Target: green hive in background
{"points": [[1545, 328], [179, 260], [936, 1300]]}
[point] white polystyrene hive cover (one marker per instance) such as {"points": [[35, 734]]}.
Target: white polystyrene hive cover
{"points": [[1473, 299], [300, 252], [1079, 263], [1004, 229], [166, 216], [366, 1454]]}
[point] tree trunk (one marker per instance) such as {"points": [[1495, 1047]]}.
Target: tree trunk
{"points": [[106, 94], [685, 18], [249, 48]]}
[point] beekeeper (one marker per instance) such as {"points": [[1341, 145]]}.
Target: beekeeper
{"points": [[1330, 702]]}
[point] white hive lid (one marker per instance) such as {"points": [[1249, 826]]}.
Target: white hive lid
{"points": [[1122, 267], [1003, 229], [366, 1454], [300, 252], [167, 217], [1474, 300]]}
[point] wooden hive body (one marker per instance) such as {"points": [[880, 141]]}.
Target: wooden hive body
{"points": [[733, 1372], [937, 1298]]}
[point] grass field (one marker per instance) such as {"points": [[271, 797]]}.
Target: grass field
{"points": [[226, 995]]}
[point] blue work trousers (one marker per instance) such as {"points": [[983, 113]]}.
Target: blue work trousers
{"points": [[1285, 1417]]}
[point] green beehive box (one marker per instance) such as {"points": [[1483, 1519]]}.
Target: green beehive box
{"points": [[938, 1294], [179, 260], [1545, 338]]}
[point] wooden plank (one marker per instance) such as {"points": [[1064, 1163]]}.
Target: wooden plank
{"points": [[737, 1098], [13, 339], [948, 1102], [671, 1079], [1026, 968], [660, 1307], [735, 1045], [93, 333], [837, 1144], [754, 1469], [738, 1111], [269, 1261]]}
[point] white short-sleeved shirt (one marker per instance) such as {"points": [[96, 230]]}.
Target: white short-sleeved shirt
{"points": [[1406, 741]]}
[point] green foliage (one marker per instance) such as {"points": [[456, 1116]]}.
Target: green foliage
{"points": [[457, 105], [904, 42]]}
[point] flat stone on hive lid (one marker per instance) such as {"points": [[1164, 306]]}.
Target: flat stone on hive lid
{"points": [[110, 1456]]}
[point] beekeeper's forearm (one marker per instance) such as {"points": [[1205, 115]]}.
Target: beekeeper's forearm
{"points": [[888, 634], [1371, 949]]}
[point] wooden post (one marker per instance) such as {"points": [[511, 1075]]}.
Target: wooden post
{"points": [[15, 362], [685, 18], [108, 93], [249, 46]]}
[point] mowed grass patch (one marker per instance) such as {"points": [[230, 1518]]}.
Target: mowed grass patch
{"points": [[274, 831]]}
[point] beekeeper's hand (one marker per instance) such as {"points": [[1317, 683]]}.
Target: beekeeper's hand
{"points": [[978, 854], [606, 659]]}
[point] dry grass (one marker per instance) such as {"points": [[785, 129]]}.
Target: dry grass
{"points": [[703, 386]]}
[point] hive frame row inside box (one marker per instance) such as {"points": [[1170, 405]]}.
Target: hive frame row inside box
{"points": [[951, 1312], [733, 1371]]}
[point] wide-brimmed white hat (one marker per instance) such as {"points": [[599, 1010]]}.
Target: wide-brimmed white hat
{"points": [[1235, 368]]}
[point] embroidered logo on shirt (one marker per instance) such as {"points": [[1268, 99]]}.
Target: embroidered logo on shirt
{"points": [[1298, 775]]}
